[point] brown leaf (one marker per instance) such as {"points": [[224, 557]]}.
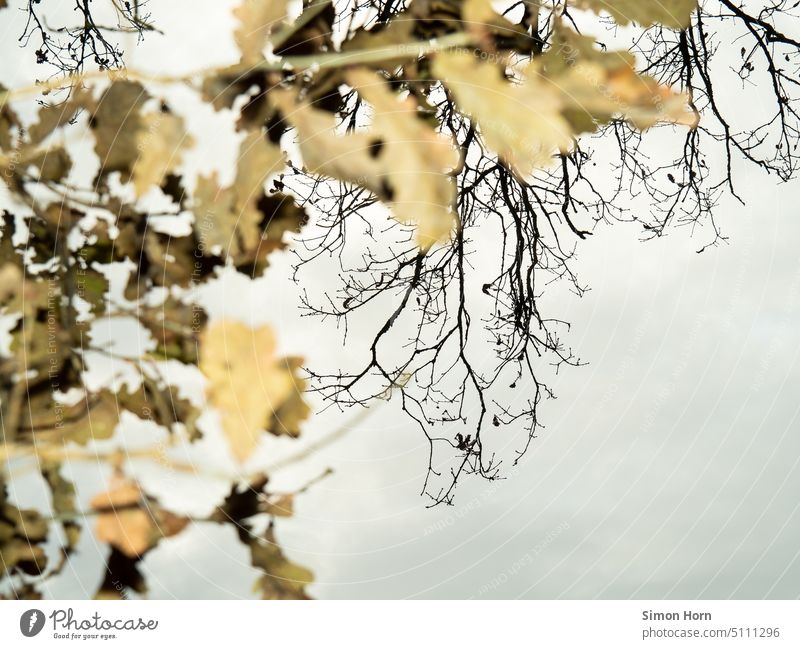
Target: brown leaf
{"points": [[8, 120], [53, 165], [258, 160], [131, 521], [282, 579], [51, 117], [116, 123]]}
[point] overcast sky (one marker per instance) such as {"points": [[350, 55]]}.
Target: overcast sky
{"points": [[668, 468]]}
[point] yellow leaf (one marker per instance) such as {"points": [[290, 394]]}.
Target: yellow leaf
{"points": [[570, 90], [215, 215], [160, 142], [258, 160], [522, 123], [598, 85], [256, 20], [231, 217], [246, 382], [401, 159]]}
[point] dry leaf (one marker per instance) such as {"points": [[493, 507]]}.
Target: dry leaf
{"points": [[564, 93], [596, 85], [258, 160], [123, 523], [215, 215], [229, 217], [481, 20], [51, 117], [522, 123], [116, 122], [8, 120], [160, 142], [131, 521], [256, 19], [52, 164], [401, 159], [246, 382]]}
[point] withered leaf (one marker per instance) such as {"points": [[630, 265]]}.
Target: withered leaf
{"points": [[131, 521], [116, 122], [247, 383], [281, 579], [257, 18], [521, 122], [21, 532], [51, 117], [8, 120], [52, 165], [571, 89], [401, 159], [62, 494], [242, 220], [160, 142]]}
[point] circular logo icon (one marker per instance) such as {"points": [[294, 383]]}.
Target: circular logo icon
{"points": [[31, 622]]}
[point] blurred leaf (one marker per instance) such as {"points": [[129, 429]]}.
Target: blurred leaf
{"points": [[8, 120], [21, 532], [53, 165], [116, 123], [482, 92], [246, 382], [569, 90], [160, 142], [288, 416], [258, 160], [175, 326], [401, 159], [241, 220], [51, 117], [242, 503], [282, 579], [62, 494], [131, 521], [256, 19], [122, 574]]}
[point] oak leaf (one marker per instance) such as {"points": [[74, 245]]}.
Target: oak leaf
{"points": [[247, 383], [568, 91], [116, 122], [256, 19], [521, 122], [242, 220], [160, 143], [400, 158]]}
